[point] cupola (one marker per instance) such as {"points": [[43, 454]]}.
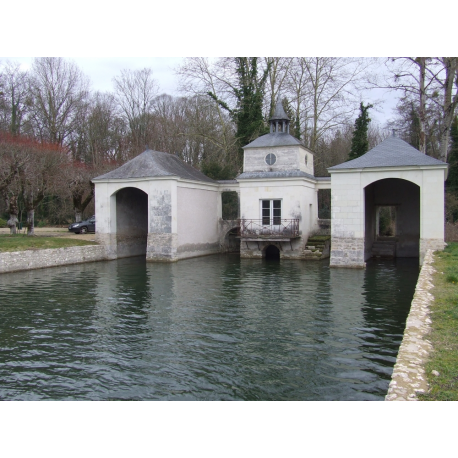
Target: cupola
{"points": [[279, 122]]}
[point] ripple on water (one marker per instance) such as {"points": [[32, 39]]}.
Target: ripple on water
{"points": [[212, 328]]}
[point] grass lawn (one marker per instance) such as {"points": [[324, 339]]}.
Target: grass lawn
{"points": [[444, 333], [22, 242]]}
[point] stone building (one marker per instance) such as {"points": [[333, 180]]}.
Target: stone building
{"points": [[396, 175], [278, 193], [157, 205], [161, 207]]}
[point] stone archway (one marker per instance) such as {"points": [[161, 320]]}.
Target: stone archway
{"points": [[231, 242], [399, 201], [131, 222], [271, 253]]}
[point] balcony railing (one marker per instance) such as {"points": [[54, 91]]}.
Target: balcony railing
{"points": [[277, 229]]}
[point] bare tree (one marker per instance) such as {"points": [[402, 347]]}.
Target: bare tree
{"points": [[59, 93], [74, 181], [330, 98], [96, 147], [279, 69], [200, 76], [135, 92], [39, 176], [105, 130], [298, 88], [14, 97], [430, 81], [409, 75], [14, 156], [447, 80], [101, 133]]}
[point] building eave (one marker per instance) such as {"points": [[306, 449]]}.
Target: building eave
{"points": [[133, 180], [404, 168]]}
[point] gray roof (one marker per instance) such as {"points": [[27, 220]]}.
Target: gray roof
{"points": [[392, 152], [276, 174], [279, 113], [274, 139], [152, 164]]}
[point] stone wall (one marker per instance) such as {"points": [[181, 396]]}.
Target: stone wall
{"points": [[430, 244], [347, 252], [228, 243], [291, 157], [324, 227], [408, 377], [253, 250], [37, 259], [162, 247]]}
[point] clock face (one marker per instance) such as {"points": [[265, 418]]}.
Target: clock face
{"points": [[271, 159]]}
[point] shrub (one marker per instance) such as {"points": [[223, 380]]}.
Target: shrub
{"points": [[3, 223]]}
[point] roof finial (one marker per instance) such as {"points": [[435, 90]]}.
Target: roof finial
{"points": [[279, 122], [279, 112]]}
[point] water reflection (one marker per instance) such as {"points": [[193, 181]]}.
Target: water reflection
{"points": [[207, 328]]}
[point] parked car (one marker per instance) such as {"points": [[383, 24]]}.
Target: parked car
{"points": [[84, 226]]}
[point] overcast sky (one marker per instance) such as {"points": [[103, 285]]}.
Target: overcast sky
{"points": [[102, 70], [204, 28]]}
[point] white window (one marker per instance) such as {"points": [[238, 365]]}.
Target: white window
{"points": [[271, 212]]}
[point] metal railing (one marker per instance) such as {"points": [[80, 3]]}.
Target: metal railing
{"points": [[276, 228]]}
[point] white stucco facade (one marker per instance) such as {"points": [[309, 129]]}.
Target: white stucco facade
{"points": [[348, 227], [182, 217], [160, 206]]}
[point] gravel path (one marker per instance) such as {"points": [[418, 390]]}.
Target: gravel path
{"points": [[55, 232]]}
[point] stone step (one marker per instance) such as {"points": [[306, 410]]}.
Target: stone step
{"points": [[311, 257], [379, 243], [384, 249]]}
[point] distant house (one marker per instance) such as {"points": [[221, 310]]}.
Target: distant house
{"points": [[157, 205]]}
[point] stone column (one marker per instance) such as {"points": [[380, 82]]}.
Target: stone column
{"points": [[162, 242]]}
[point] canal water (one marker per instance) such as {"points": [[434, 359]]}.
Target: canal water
{"points": [[210, 328]]}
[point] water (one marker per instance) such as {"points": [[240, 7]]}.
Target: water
{"points": [[211, 328]]}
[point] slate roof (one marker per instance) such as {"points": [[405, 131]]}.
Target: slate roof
{"points": [[279, 113], [392, 152], [276, 174], [150, 164], [274, 139]]}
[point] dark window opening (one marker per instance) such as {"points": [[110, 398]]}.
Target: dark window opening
{"points": [[271, 212], [272, 253], [324, 203], [386, 221], [230, 203]]}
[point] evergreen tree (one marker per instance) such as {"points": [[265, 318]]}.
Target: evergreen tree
{"points": [[360, 142], [249, 94], [294, 124]]}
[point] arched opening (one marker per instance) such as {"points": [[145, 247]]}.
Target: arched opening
{"points": [[131, 222], [272, 253], [231, 241], [392, 219]]}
